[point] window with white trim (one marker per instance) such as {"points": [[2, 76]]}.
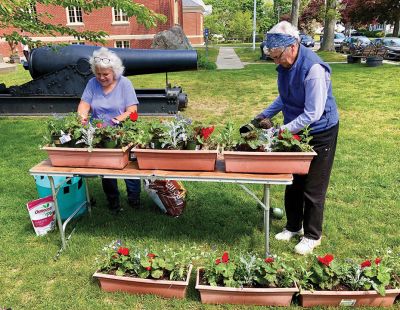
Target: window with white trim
{"points": [[122, 44], [74, 15], [119, 16]]}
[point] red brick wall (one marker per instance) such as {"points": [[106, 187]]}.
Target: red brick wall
{"points": [[193, 27], [102, 20]]}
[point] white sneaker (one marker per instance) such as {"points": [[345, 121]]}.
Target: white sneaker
{"points": [[306, 246], [286, 235]]}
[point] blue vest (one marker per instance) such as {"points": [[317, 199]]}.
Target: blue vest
{"points": [[291, 91]]}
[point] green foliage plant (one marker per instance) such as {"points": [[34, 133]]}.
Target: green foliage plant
{"points": [[165, 264], [249, 270]]}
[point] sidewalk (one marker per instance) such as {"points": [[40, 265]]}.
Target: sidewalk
{"points": [[227, 59], [6, 68]]}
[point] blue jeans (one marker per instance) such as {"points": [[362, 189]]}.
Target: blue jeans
{"points": [[110, 188]]}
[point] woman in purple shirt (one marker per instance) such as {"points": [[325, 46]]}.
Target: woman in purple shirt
{"points": [[109, 96]]}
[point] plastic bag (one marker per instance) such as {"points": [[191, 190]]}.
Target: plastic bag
{"points": [[169, 196], [42, 214]]}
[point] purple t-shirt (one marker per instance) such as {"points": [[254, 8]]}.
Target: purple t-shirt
{"points": [[115, 103]]}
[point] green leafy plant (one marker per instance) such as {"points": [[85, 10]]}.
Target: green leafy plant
{"points": [[165, 264], [327, 273], [285, 141], [248, 270], [228, 137]]}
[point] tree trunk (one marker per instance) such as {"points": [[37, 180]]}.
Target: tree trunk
{"points": [[295, 12], [329, 26], [396, 27]]}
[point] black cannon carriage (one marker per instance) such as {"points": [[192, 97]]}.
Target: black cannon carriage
{"points": [[60, 74]]}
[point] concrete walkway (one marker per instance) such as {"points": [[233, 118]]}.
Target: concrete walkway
{"points": [[6, 68], [227, 59]]}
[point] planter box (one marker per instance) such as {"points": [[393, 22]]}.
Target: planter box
{"points": [[163, 288], [182, 160], [245, 296], [81, 157], [348, 298], [268, 162]]}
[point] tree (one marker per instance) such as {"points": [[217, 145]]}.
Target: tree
{"points": [[313, 13], [358, 12], [241, 25], [27, 22], [294, 18], [329, 26]]}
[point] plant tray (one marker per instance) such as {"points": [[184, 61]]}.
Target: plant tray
{"points": [[182, 160], [244, 296], [268, 162], [163, 288], [348, 298], [81, 157]]}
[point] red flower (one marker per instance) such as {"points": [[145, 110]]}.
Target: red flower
{"points": [[151, 255], [123, 251], [133, 116], [84, 121], [217, 261], [206, 132], [366, 263], [269, 260], [378, 261], [148, 268], [326, 260], [297, 137], [99, 125], [225, 257]]}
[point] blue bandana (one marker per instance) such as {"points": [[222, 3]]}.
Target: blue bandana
{"points": [[275, 40]]}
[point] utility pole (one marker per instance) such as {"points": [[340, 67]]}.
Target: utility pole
{"points": [[254, 24]]}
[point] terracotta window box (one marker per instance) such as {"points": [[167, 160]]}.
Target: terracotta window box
{"points": [[182, 160], [81, 157], [268, 162], [245, 296], [348, 298], [163, 288]]}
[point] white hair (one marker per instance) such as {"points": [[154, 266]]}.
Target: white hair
{"points": [[115, 63], [286, 28]]}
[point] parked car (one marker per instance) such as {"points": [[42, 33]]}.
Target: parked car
{"points": [[306, 40], [337, 40], [350, 44], [392, 46]]}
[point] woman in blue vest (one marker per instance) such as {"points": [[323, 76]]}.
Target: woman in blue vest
{"points": [[305, 99], [109, 96]]}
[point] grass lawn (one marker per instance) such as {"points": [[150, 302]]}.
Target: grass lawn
{"points": [[361, 214]]}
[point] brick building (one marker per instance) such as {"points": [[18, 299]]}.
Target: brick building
{"points": [[122, 31], [193, 20]]}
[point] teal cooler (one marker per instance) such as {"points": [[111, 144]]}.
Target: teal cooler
{"points": [[71, 195]]}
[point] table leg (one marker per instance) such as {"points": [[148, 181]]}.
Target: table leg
{"points": [[88, 204], [265, 205], [58, 217], [266, 200]]}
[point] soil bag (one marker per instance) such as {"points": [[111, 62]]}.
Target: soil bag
{"points": [[42, 214]]}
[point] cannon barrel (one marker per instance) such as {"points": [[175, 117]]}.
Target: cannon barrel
{"points": [[46, 60]]}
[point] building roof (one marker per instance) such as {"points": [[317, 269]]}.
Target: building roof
{"points": [[193, 4]]}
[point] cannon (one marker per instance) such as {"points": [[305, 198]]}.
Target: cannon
{"points": [[60, 74]]}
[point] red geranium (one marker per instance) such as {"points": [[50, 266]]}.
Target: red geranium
{"points": [[133, 116], [326, 260], [225, 257], [123, 251], [217, 261], [378, 261], [99, 125], [206, 132], [151, 255], [148, 268], [269, 260], [366, 263], [297, 137]]}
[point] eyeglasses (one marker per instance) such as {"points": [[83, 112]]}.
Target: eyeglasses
{"points": [[276, 57], [105, 61]]}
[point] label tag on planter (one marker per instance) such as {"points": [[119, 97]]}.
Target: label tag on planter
{"points": [[64, 137], [347, 302]]}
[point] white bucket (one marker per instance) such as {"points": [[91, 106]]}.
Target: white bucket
{"points": [[42, 214]]}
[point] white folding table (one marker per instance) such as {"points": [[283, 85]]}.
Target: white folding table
{"points": [[131, 171]]}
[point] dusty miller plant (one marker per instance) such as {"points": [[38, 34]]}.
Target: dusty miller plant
{"points": [[175, 132], [88, 135]]}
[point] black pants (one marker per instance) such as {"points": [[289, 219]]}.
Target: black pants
{"points": [[305, 198], [110, 187]]}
